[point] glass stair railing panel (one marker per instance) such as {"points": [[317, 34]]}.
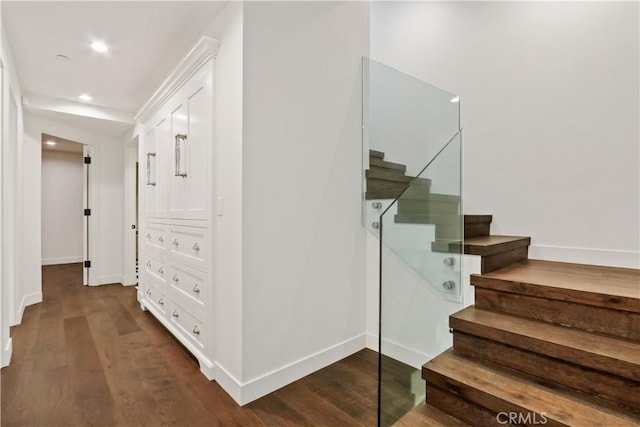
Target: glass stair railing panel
{"points": [[420, 279], [405, 123]]}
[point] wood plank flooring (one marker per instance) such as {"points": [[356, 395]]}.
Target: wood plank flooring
{"points": [[88, 356]]}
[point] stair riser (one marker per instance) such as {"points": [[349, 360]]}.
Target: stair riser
{"points": [[610, 387], [577, 296], [477, 229], [462, 409], [376, 154], [616, 323], [578, 356], [376, 162], [383, 173], [412, 206], [495, 262], [378, 185], [489, 403], [392, 175]]}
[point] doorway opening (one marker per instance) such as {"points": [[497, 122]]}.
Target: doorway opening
{"points": [[132, 194], [66, 203]]}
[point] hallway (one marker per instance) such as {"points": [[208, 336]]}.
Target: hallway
{"points": [[90, 356]]}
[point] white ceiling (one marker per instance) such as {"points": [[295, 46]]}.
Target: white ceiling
{"points": [[147, 39], [62, 144]]}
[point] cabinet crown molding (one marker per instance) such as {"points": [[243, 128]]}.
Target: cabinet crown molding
{"points": [[205, 49]]}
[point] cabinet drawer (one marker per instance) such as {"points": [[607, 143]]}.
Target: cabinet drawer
{"points": [[189, 284], [189, 245], [189, 324], [156, 236], [155, 297], [155, 268]]}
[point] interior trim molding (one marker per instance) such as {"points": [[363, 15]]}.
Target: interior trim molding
{"points": [[406, 354], [7, 352], [27, 300], [251, 390], [595, 256], [204, 50], [62, 260]]}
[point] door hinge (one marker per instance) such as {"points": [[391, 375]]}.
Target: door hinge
{"points": [[87, 160], [87, 264], [87, 212]]}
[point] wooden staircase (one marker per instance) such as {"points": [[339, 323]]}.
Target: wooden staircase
{"points": [[546, 343]]}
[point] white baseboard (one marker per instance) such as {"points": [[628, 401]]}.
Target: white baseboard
{"points": [[7, 352], [608, 257], [405, 354], [63, 260], [372, 342], [27, 300], [106, 280], [229, 383], [128, 281], [251, 390]]}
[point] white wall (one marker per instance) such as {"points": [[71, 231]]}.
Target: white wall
{"points": [[228, 28], [11, 295], [62, 209], [550, 111], [107, 201], [303, 241]]}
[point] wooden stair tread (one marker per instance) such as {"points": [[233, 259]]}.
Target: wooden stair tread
{"points": [[413, 194], [499, 390], [609, 287], [441, 218], [389, 175], [583, 348], [493, 244], [379, 163], [427, 415]]}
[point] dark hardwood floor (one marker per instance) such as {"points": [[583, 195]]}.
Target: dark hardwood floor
{"points": [[88, 356]]}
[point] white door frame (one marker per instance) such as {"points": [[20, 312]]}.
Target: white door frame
{"points": [[11, 218], [87, 221], [131, 157], [90, 224], [5, 355]]}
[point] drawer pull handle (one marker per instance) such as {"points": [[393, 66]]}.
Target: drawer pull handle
{"points": [[148, 235], [175, 278], [175, 314], [148, 291], [196, 247], [161, 301], [148, 263], [160, 239], [196, 330], [196, 289], [161, 270], [175, 242]]}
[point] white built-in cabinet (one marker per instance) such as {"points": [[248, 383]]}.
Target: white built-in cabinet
{"points": [[178, 176]]}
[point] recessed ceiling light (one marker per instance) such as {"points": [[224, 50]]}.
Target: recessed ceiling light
{"points": [[99, 47], [63, 57], [455, 99], [85, 97], [51, 143]]}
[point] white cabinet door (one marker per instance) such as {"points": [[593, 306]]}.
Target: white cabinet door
{"points": [[150, 173], [200, 122], [192, 133], [157, 151], [163, 148]]}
